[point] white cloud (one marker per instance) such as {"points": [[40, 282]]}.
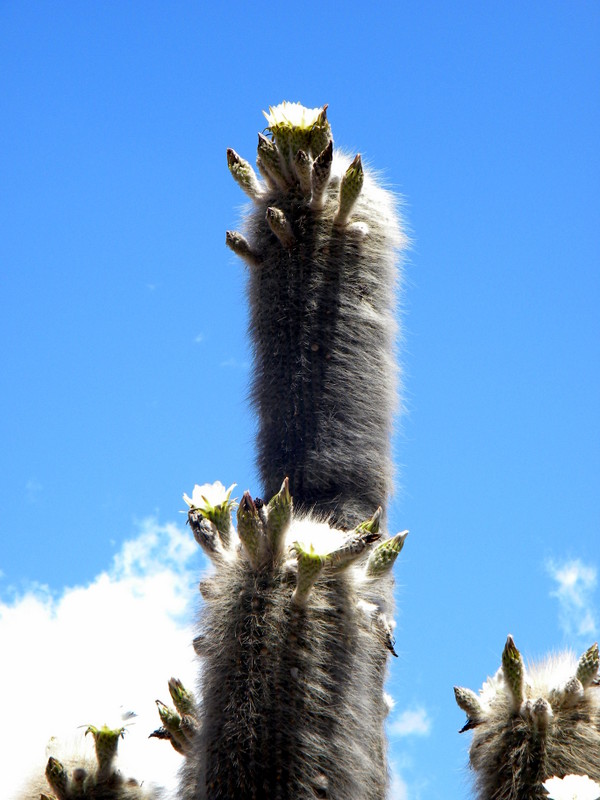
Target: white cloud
{"points": [[398, 786], [83, 656], [576, 584], [412, 722]]}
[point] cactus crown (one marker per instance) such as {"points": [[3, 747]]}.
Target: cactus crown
{"points": [[532, 724]]}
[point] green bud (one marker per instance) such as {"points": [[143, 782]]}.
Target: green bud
{"points": [[57, 777], [279, 516], [352, 183], [309, 567], [280, 226], [385, 554], [249, 528], [371, 526], [587, 668], [243, 173], [106, 741], [184, 700], [303, 168], [321, 170], [270, 164], [240, 246], [514, 670], [320, 133], [469, 702]]}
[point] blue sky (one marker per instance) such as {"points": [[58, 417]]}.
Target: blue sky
{"points": [[126, 362]]}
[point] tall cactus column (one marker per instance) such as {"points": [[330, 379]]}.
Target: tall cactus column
{"points": [[322, 246], [296, 627]]}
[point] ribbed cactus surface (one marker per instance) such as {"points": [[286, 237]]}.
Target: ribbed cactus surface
{"points": [[533, 724]]}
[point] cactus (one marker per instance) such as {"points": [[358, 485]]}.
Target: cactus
{"points": [[297, 623], [531, 725], [322, 240], [294, 637], [85, 778]]}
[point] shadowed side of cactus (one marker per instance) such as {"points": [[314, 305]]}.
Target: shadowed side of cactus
{"points": [[533, 724], [322, 243], [294, 638]]}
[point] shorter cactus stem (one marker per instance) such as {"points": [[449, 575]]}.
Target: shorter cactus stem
{"points": [[240, 246]]}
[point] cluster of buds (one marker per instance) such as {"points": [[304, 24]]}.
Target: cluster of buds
{"points": [[102, 781], [297, 158], [534, 724], [179, 723], [265, 537]]}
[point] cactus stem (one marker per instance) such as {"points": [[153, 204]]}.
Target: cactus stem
{"points": [[280, 226], [243, 174], [352, 183]]}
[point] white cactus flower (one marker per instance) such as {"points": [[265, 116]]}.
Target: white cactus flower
{"points": [[572, 787], [209, 495], [292, 115]]}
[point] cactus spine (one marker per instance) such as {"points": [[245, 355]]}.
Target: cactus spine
{"points": [[296, 628], [533, 725]]}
